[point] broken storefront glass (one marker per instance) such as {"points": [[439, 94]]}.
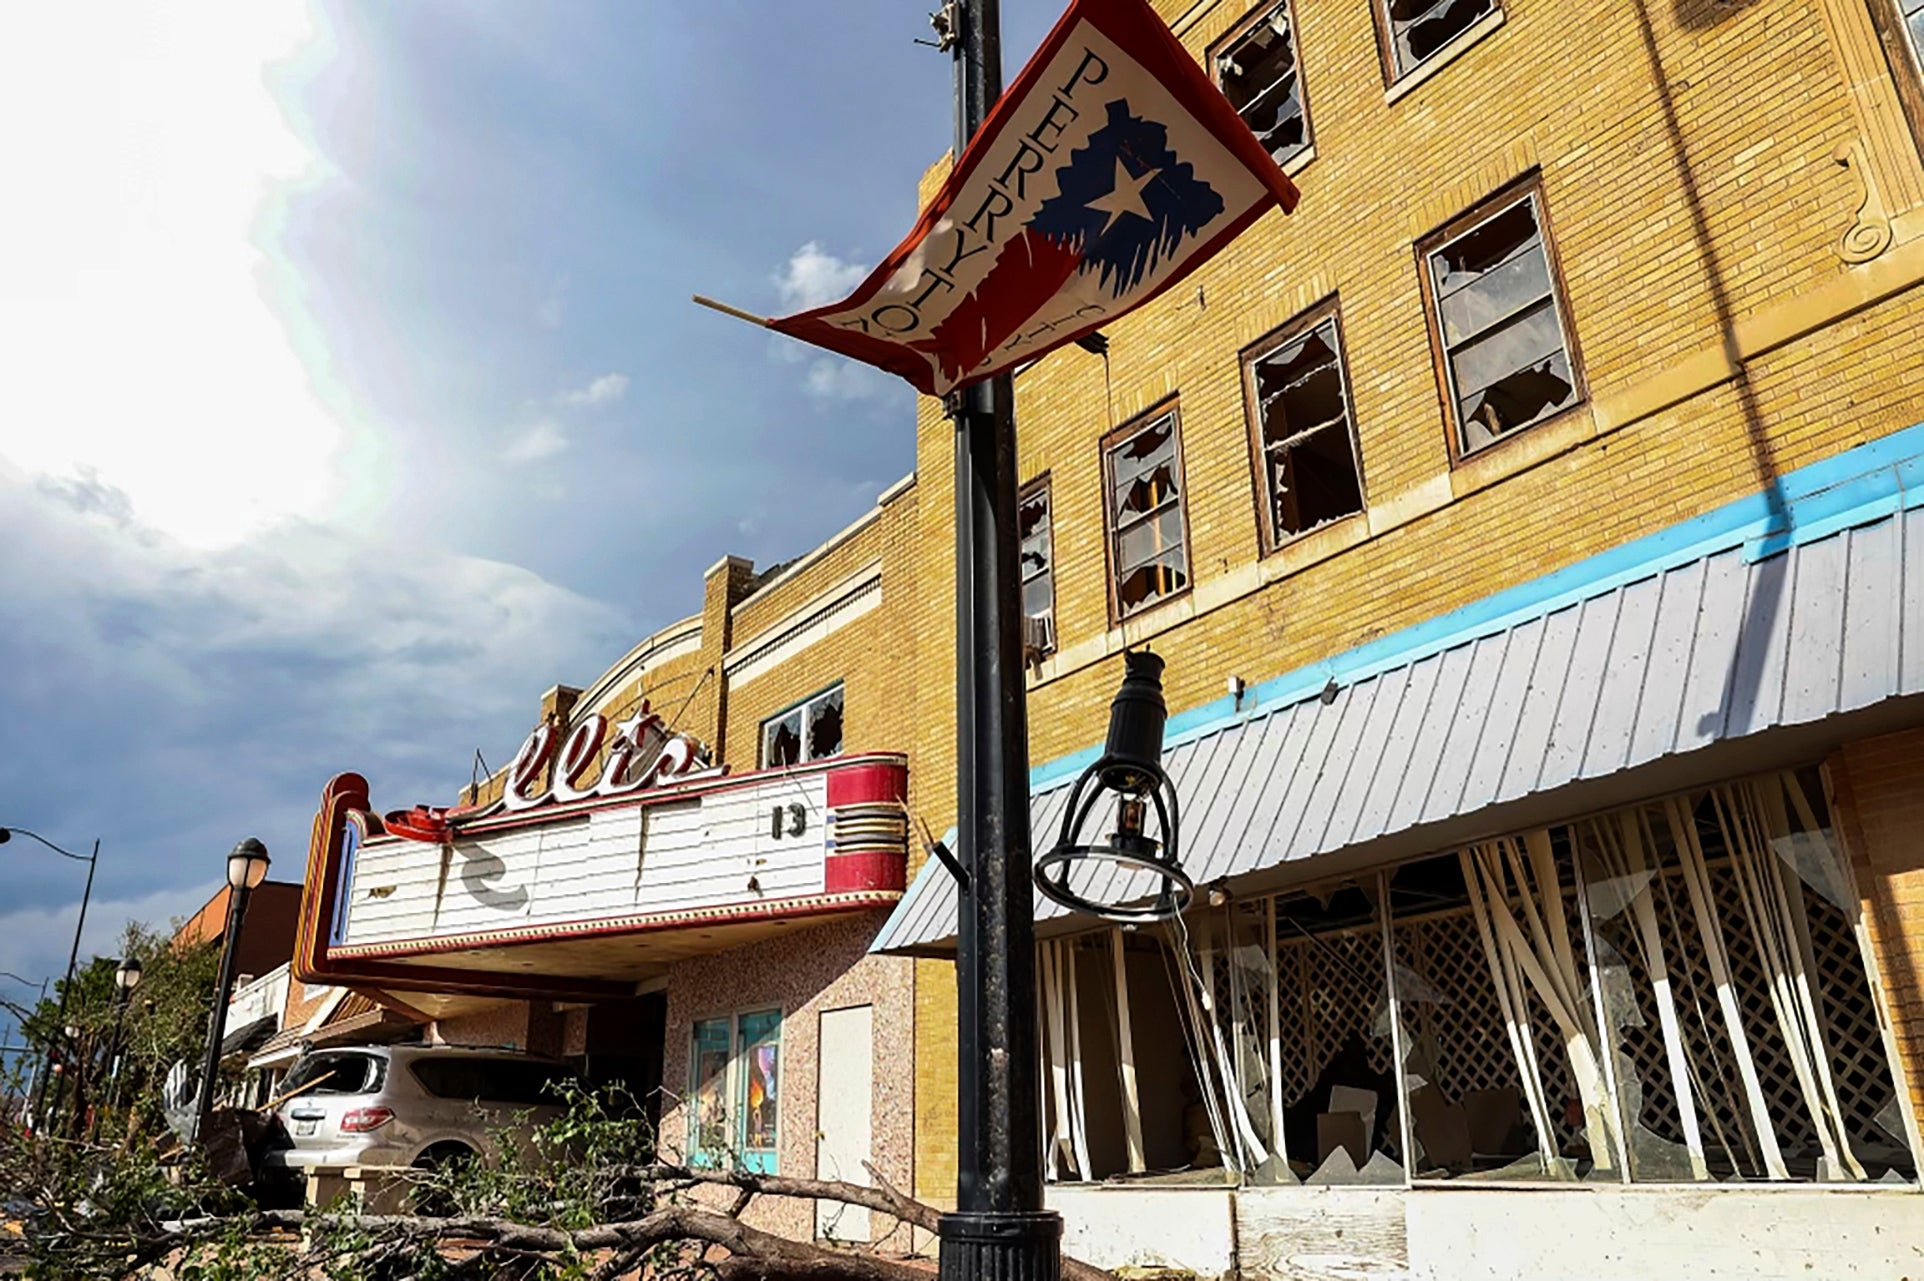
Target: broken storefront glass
{"points": [[1676, 992]]}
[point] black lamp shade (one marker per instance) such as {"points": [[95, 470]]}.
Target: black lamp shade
{"points": [[247, 865], [1136, 720], [127, 977]]}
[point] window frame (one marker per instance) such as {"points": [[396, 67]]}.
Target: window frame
{"points": [[801, 705], [1530, 188], [1039, 485], [734, 1088], [1394, 76], [1219, 49], [1171, 408], [1905, 58], [1328, 310]]}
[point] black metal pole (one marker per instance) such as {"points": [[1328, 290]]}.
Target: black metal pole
{"points": [[48, 1081], [999, 1229], [217, 1020], [122, 996]]}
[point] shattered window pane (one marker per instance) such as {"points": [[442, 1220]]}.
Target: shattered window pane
{"points": [[1147, 538], [1036, 554], [809, 732], [825, 726], [1503, 1068], [782, 740], [1744, 1030], [1497, 312], [1419, 28], [1259, 76], [1308, 440]]}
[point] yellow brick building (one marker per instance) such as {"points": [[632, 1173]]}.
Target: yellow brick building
{"points": [[1554, 454]]}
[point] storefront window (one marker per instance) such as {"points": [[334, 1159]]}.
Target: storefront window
{"points": [[1740, 1010], [760, 1041], [1676, 992], [708, 1095], [1501, 1069], [734, 1094]]}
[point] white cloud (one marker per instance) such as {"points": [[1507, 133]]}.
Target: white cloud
{"points": [[543, 440], [218, 690], [34, 941], [139, 346], [813, 277], [603, 390], [835, 378]]}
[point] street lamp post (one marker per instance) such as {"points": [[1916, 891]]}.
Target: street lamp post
{"points": [[126, 979], [246, 868], [73, 954], [999, 1228]]}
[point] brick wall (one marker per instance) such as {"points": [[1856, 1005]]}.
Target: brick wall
{"points": [[1877, 789]]}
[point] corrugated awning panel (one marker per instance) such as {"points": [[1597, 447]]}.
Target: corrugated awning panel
{"points": [[1725, 645]]}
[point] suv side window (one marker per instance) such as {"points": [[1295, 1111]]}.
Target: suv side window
{"points": [[344, 1073], [515, 1081]]}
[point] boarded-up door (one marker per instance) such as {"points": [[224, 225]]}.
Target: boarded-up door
{"points": [[844, 1093]]}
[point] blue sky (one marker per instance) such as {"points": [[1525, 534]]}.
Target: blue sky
{"points": [[350, 394]]}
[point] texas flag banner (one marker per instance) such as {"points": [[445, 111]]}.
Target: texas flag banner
{"points": [[1110, 170]]}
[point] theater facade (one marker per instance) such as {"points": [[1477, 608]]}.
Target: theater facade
{"points": [[674, 882]]}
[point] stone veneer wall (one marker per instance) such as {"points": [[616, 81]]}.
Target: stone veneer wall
{"points": [[805, 973]]}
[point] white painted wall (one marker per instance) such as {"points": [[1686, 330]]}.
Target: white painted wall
{"points": [[1114, 1227], [845, 1120], [666, 857], [1635, 1235], [1575, 1234]]}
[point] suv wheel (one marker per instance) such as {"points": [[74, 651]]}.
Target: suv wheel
{"points": [[438, 1162]]}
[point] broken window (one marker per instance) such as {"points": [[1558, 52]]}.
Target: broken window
{"points": [[1498, 318], [1147, 540], [809, 731], [1744, 1029], [1037, 557], [1120, 1098], [1418, 29], [1259, 76], [1305, 432], [1501, 1069]]}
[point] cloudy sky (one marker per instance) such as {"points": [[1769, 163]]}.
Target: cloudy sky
{"points": [[350, 395]]}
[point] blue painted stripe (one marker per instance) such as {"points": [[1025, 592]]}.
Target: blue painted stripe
{"points": [[1836, 493]]}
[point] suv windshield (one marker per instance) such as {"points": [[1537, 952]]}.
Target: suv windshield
{"points": [[344, 1072], [523, 1081]]}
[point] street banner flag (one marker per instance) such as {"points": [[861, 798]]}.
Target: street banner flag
{"points": [[1110, 170]]}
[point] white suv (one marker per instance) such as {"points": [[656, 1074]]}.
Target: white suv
{"points": [[409, 1105]]}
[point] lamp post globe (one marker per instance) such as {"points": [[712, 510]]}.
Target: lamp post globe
{"points": [[127, 977], [247, 865]]}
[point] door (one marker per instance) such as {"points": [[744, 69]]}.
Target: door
{"points": [[844, 1093]]}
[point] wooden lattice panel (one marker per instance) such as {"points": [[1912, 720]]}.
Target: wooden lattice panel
{"points": [[1862, 1075]]}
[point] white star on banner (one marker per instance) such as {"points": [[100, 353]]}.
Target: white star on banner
{"points": [[1125, 198]]}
